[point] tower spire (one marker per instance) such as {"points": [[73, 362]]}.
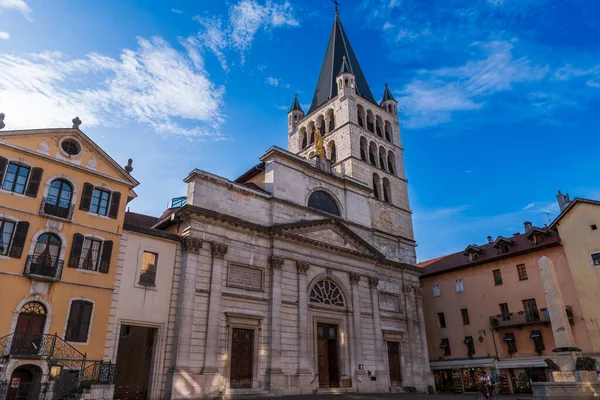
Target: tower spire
{"points": [[338, 48]]}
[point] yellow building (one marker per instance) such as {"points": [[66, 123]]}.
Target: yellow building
{"points": [[62, 204], [578, 226]]}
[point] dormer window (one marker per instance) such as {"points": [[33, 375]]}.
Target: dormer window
{"points": [[503, 245], [504, 248], [473, 256], [537, 236], [537, 239], [472, 252]]}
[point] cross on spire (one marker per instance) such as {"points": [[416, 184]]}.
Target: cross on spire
{"points": [[336, 5]]}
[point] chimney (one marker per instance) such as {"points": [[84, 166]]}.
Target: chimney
{"points": [[563, 200], [527, 225], [490, 239]]}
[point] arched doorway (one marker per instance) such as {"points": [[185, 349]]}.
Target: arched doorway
{"points": [[24, 383], [29, 330]]}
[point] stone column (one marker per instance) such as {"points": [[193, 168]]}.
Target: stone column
{"points": [[191, 248], [409, 375], [214, 309], [380, 368], [276, 263], [356, 320], [427, 376], [304, 365], [561, 329]]}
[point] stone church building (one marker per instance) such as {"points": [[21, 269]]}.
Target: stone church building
{"points": [[299, 276]]}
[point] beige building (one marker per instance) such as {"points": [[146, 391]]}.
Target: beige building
{"points": [[578, 225], [486, 311]]}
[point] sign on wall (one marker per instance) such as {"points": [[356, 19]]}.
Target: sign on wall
{"points": [[250, 278], [389, 302]]}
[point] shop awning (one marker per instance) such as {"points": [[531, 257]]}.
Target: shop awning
{"points": [[462, 363], [509, 337], [521, 363]]}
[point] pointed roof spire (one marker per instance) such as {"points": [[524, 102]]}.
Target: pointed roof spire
{"points": [[345, 67], [387, 95], [338, 48], [296, 105]]}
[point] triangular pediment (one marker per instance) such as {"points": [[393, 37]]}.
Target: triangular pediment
{"points": [[49, 143], [328, 232]]}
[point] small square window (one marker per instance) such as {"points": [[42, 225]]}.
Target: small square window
{"points": [[594, 227], [522, 272], [497, 277], [596, 259]]}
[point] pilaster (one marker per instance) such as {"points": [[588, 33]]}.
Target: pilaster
{"points": [[357, 354], [304, 364], [378, 334], [408, 376], [276, 263]]}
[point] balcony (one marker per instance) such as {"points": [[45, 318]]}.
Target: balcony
{"points": [[522, 318], [56, 207], [47, 270]]}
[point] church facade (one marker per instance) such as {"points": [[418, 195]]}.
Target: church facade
{"points": [[300, 276]]}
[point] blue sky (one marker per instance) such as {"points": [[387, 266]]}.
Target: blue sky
{"points": [[498, 98]]}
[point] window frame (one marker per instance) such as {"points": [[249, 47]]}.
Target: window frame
{"points": [[102, 191], [497, 273], [593, 261], [441, 319], [522, 272], [465, 316], [438, 292], [10, 239], [14, 183], [324, 194], [447, 351], [505, 316], [143, 271], [76, 338], [460, 286], [98, 256], [511, 343], [470, 345]]}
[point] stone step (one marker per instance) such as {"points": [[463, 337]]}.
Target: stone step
{"points": [[335, 390], [246, 394]]}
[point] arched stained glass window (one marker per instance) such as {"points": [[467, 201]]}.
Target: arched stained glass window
{"points": [[320, 200], [328, 293]]}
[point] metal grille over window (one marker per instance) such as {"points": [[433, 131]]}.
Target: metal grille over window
{"points": [[328, 293]]}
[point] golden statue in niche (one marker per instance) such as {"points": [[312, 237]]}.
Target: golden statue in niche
{"points": [[319, 146]]}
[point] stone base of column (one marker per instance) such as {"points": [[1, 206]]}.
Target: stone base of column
{"points": [[209, 370]]}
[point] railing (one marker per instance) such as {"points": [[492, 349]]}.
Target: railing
{"points": [[51, 269], [51, 347], [148, 278], [57, 208], [541, 316]]}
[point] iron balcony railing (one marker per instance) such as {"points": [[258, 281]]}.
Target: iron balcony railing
{"points": [[148, 278], [58, 208], [530, 317], [50, 269]]}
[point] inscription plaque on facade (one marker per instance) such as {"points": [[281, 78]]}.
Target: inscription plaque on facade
{"points": [[389, 302], [245, 277]]}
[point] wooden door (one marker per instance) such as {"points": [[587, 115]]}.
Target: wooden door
{"points": [[20, 383], [394, 363], [242, 358], [28, 333], [328, 362]]}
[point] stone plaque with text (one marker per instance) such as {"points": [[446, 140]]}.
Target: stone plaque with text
{"points": [[249, 278], [389, 302]]}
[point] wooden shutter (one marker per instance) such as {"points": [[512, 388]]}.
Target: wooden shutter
{"points": [[34, 182], [3, 164], [16, 249], [115, 200], [86, 317], [105, 257], [76, 250], [86, 197], [73, 322]]}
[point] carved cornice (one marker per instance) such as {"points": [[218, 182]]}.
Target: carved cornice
{"points": [[276, 262], [354, 278], [373, 281], [191, 245], [302, 267], [218, 250]]}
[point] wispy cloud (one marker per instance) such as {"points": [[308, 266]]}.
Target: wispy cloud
{"points": [[276, 82], [17, 5], [154, 85], [528, 206], [245, 19], [176, 11], [4, 35]]}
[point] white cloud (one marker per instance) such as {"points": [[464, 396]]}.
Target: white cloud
{"points": [[528, 206], [276, 82], [17, 5], [432, 100], [153, 85], [176, 11], [387, 26], [4, 35], [213, 37]]}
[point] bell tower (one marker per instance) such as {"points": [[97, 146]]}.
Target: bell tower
{"points": [[361, 136]]}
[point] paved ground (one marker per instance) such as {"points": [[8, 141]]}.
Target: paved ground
{"points": [[394, 396]]}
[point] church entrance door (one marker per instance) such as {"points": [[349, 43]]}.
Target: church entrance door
{"points": [[394, 363], [242, 358], [327, 345]]}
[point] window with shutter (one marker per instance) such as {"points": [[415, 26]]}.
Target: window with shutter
{"points": [[99, 203], [115, 201], [436, 290], [15, 178], [86, 197], [3, 164], [76, 250], [105, 257], [78, 325], [18, 242], [7, 229], [34, 182], [459, 285]]}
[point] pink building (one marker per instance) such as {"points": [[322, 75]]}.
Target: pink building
{"points": [[485, 311]]}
